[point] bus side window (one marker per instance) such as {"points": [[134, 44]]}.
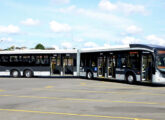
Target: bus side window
{"points": [[118, 61], [37, 60], [134, 61], [46, 60], [74, 62], [82, 62], [121, 61], [4, 60], [93, 64]]}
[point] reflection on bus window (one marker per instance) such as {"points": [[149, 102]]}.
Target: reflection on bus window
{"points": [[70, 62], [121, 61], [161, 61], [134, 60], [93, 64]]}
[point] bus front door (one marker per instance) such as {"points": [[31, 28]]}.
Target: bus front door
{"points": [[101, 66], [68, 65], [147, 67], [111, 67], [56, 65]]}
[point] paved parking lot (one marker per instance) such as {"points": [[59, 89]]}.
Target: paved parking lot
{"points": [[79, 99]]}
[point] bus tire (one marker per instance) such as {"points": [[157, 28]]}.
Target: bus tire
{"points": [[28, 73], [130, 78], [15, 73], [89, 75]]}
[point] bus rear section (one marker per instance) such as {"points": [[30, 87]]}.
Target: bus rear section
{"points": [[38, 63]]}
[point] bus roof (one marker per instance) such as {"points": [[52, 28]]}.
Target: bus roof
{"points": [[117, 48], [38, 51], [147, 46]]}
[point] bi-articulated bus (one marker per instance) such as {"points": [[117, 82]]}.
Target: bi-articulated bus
{"points": [[137, 62]]}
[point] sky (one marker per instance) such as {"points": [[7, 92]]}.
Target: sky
{"points": [[67, 24]]}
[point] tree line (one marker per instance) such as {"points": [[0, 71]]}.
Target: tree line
{"points": [[38, 46]]}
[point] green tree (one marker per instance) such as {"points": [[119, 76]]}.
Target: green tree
{"points": [[11, 48], [40, 46]]}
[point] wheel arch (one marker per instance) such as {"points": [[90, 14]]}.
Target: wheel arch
{"points": [[130, 72], [89, 70], [15, 69], [29, 70]]}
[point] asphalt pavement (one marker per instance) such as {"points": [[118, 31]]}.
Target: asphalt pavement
{"points": [[79, 99]]}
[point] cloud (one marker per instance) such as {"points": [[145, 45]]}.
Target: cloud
{"points": [[7, 39], [10, 29], [90, 45], [77, 39], [56, 47], [68, 9], [109, 18], [153, 39], [150, 39], [66, 45], [130, 40], [30, 22], [107, 5], [106, 17], [107, 45], [130, 8], [58, 27], [133, 30], [60, 1], [121, 7]]}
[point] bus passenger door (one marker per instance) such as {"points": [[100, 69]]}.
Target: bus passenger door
{"points": [[101, 66], [68, 65], [147, 67], [56, 65], [111, 67]]}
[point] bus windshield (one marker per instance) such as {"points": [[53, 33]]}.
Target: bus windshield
{"points": [[161, 62]]}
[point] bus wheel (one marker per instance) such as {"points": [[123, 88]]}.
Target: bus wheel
{"points": [[130, 78], [89, 75], [15, 73], [28, 73]]}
